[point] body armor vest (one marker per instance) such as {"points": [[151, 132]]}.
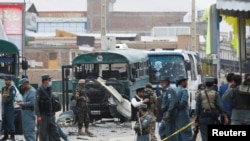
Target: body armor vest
{"points": [[44, 102], [6, 92], [134, 110], [242, 98], [204, 101]]}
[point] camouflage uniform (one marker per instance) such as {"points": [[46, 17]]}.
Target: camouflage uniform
{"points": [[82, 108], [149, 93], [142, 126]]}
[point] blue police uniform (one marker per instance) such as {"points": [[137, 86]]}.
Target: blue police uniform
{"points": [[28, 114], [183, 117], [44, 108], [168, 107], [8, 94]]}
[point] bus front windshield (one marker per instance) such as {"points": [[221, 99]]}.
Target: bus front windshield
{"points": [[172, 66]]}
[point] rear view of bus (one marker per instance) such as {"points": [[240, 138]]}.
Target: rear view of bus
{"points": [[175, 63], [111, 77]]}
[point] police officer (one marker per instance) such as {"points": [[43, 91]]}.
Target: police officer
{"points": [[207, 101], [168, 107], [82, 108], [240, 97], [142, 126], [45, 109], [183, 117], [8, 94], [151, 104], [28, 112]]}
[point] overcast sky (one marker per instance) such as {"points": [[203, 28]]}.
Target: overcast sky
{"points": [[123, 5], [120, 5]]}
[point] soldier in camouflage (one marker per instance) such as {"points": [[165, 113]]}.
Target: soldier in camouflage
{"points": [[142, 126], [82, 108], [150, 94]]}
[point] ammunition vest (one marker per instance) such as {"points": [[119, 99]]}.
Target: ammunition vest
{"points": [[204, 101], [45, 102], [6, 92], [244, 89], [241, 99], [152, 101]]}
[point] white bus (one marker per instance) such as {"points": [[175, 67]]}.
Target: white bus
{"points": [[174, 63]]}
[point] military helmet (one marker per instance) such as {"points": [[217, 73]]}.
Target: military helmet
{"points": [[149, 85], [81, 81]]}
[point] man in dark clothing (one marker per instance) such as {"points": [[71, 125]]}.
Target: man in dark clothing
{"points": [[207, 102], [240, 97], [45, 108], [135, 103], [8, 94], [227, 104]]}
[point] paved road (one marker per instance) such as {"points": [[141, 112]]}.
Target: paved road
{"points": [[103, 131]]}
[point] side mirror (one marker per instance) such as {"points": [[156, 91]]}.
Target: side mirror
{"points": [[24, 64], [133, 71], [188, 66]]}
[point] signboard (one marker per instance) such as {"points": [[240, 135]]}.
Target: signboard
{"points": [[11, 15]]}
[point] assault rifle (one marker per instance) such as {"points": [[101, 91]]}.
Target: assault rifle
{"points": [[37, 132], [196, 131], [139, 121]]}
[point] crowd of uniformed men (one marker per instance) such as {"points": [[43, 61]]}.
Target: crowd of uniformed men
{"points": [[38, 108], [153, 117], [167, 116]]}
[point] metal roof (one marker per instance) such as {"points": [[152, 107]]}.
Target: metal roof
{"points": [[235, 5]]}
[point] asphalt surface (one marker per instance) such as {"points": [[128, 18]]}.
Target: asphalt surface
{"points": [[105, 130]]}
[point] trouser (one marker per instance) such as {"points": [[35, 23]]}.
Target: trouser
{"points": [[157, 125], [29, 125], [143, 137], [9, 119], [167, 127], [152, 132], [132, 128], [204, 121], [61, 133], [48, 128], [83, 117]]}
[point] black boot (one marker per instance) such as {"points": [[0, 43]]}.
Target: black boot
{"points": [[5, 137], [12, 137]]}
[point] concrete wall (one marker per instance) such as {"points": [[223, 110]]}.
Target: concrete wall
{"points": [[129, 22]]}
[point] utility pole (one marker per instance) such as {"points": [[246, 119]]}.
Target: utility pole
{"points": [[107, 43], [193, 28], [104, 18]]}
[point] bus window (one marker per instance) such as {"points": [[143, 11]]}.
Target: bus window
{"points": [[166, 65]]}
